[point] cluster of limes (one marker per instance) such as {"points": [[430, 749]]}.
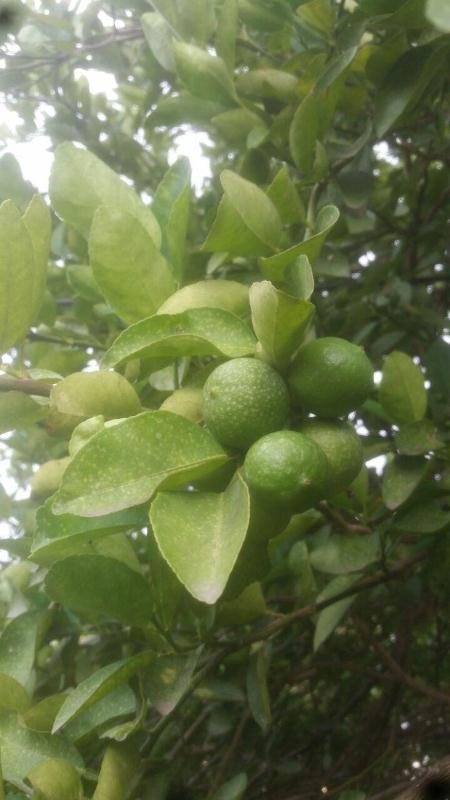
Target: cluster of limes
{"points": [[247, 407]]}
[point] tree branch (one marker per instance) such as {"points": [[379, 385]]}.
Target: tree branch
{"points": [[417, 684], [229, 752], [25, 385]]}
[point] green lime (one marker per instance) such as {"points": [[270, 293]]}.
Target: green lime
{"points": [[342, 447], [331, 377], [242, 400], [287, 469]]}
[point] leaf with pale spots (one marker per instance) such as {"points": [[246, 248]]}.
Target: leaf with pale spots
{"points": [[195, 332], [24, 749], [201, 534], [167, 678], [124, 465]]}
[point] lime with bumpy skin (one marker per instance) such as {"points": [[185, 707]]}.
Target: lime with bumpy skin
{"points": [[331, 377], [287, 469], [342, 447], [244, 399]]}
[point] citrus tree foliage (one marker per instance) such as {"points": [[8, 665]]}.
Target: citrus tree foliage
{"points": [[165, 634]]}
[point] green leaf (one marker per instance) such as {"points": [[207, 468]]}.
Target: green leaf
{"points": [[438, 12], [248, 606], [17, 295], [40, 717], [285, 197], [259, 16], [182, 109], [62, 535], [334, 69], [12, 184], [422, 517], [319, 16], [159, 37], [274, 266], [279, 320], [80, 183], [99, 717], [206, 76], [23, 749], [345, 552], [226, 294], [13, 696], [91, 489], [300, 565], [356, 187], [200, 535], [167, 678], [167, 590], [257, 691], [272, 84], [225, 40], [100, 586], [233, 789], [85, 430], [400, 477], [99, 684], [197, 332], [304, 132], [402, 390], [55, 779], [168, 9], [300, 278], [438, 367], [87, 394], [48, 477], [171, 209], [133, 276], [406, 82], [19, 410], [18, 646], [417, 438], [187, 401], [37, 221], [196, 21], [237, 124], [331, 616], [247, 222], [119, 767]]}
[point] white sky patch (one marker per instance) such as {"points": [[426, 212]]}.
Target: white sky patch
{"points": [[383, 153], [378, 463], [190, 143], [35, 160], [377, 376], [100, 82]]}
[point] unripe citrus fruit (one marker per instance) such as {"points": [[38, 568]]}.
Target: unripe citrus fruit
{"points": [[287, 469], [342, 447], [242, 400], [331, 377]]}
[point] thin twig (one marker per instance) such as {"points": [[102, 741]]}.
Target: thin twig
{"points": [[228, 755]]}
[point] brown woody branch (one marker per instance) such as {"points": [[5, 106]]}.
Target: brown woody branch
{"points": [[25, 385], [417, 684]]}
